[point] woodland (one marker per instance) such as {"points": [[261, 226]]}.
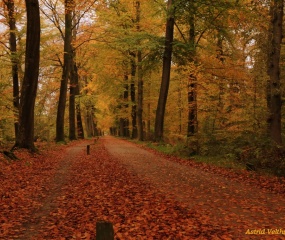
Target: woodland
{"points": [[202, 77]]}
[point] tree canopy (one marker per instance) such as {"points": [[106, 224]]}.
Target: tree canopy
{"points": [[101, 66]]}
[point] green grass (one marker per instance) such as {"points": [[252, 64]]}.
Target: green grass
{"points": [[220, 161], [181, 151]]}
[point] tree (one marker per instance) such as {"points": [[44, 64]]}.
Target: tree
{"points": [[133, 95], [192, 83], [160, 111], [25, 137], [140, 79], [69, 5], [274, 102], [73, 86], [75, 76], [14, 60]]}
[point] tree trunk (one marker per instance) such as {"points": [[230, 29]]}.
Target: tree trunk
{"points": [[140, 80], [25, 137], [133, 97], [65, 72], [179, 103], [14, 61], [73, 85], [192, 84], [160, 111], [91, 125], [140, 98], [192, 105], [72, 93], [148, 111], [80, 130], [124, 121], [274, 102]]}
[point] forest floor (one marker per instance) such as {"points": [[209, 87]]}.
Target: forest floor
{"points": [[62, 192]]}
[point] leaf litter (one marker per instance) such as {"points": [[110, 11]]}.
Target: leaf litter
{"points": [[62, 193]]}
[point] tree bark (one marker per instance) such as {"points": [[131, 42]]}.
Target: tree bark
{"points": [[73, 85], [192, 106], [192, 84], [148, 131], [72, 93], [124, 121], [80, 130], [140, 98], [25, 138], [274, 102], [160, 111], [140, 80], [66, 71], [133, 97], [14, 61]]}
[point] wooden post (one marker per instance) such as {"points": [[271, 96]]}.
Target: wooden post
{"points": [[88, 149], [104, 231]]}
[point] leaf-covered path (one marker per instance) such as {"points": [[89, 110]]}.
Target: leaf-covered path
{"points": [[223, 202], [61, 194]]}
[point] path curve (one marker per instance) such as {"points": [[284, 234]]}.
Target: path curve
{"points": [[227, 202]]}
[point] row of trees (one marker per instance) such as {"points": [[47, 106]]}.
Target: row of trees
{"points": [[200, 72]]}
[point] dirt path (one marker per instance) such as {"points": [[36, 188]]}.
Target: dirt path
{"points": [[62, 194], [36, 220], [226, 202]]}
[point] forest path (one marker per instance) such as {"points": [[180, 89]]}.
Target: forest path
{"points": [[226, 202], [62, 193], [56, 185]]}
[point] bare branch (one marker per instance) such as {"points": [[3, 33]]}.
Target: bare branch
{"points": [[54, 18], [84, 12]]}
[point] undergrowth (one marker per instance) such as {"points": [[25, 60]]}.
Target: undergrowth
{"points": [[260, 154]]}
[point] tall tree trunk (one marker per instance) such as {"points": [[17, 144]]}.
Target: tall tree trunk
{"points": [[66, 71], [192, 105], [140, 98], [274, 92], [89, 120], [160, 111], [80, 130], [91, 125], [192, 84], [14, 60], [73, 85], [133, 96], [140, 80], [124, 121], [25, 137], [148, 131], [72, 93], [179, 104]]}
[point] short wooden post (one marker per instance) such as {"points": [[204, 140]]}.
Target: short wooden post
{"points": [[88, 149], [104, 231]]}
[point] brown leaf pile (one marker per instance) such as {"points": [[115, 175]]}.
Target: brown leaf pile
{"points": [[99, 188], [61, 195]]}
